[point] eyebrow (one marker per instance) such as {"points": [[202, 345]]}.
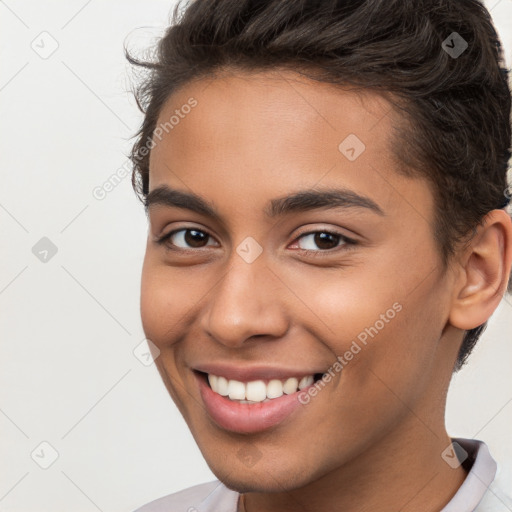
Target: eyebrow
{"points": [[299, 201]]}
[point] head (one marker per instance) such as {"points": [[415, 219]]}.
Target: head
{"points": [[249, 103]]}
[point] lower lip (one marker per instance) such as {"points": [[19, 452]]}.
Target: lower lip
{"points": [[247, 418]]}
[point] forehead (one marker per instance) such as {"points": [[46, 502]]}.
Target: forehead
{"points": [[259, 103], [274, 131]]}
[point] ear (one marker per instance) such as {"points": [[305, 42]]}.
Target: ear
{"points": [[484, 272]]}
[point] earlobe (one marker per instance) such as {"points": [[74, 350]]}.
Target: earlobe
{"points": [[485, 269]]}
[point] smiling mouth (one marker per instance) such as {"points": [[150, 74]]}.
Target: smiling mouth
{"points": [[257, 391]]}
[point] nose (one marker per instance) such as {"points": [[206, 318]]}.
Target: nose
{"points": [[245, 303]]}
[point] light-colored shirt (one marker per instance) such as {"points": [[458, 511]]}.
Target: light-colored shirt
{"points": [[486, 488]]}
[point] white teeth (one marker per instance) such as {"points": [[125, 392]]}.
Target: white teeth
{"points": [[212, 379], [222, 386], [236, 390], [257, 390], [291, 385], [306, 381], [274, 389]]}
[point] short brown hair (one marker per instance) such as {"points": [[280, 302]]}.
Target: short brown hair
{"points": [[455, 127]]}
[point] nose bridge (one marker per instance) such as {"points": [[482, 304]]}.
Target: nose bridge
{"points": [[244, 303]]}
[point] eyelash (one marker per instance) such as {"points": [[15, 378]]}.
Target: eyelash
{"points": [[347, 242]]}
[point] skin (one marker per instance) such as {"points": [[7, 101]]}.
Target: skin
{"points": [[372, 438]]}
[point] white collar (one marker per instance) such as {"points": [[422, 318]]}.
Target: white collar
{"points": [[480, 476]]}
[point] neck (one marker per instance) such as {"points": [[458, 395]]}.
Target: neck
{"points": [[404, 472]]}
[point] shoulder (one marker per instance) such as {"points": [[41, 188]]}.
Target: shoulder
{"points": [[208, 497]]}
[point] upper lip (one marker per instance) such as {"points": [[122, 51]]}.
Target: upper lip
{"points": [[250, 373]]}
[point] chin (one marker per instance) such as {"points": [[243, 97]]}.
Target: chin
{"points": [[262, 477]]}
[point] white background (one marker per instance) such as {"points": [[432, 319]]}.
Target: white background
{"points": [[69, 326]]}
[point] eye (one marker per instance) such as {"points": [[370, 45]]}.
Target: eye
{"points": [[195, 238], [324, 240], [191, 238]]}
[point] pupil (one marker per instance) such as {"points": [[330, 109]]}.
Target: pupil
{"points": [[322, 238], [195, 240]]}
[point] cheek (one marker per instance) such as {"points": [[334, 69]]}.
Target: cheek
{"points": [[349, 304], [172, 299], [152, 307], [386, 335], [375, 298], [163, 304]]}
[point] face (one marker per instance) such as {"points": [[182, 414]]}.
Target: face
{"points": [[263, 286]]}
